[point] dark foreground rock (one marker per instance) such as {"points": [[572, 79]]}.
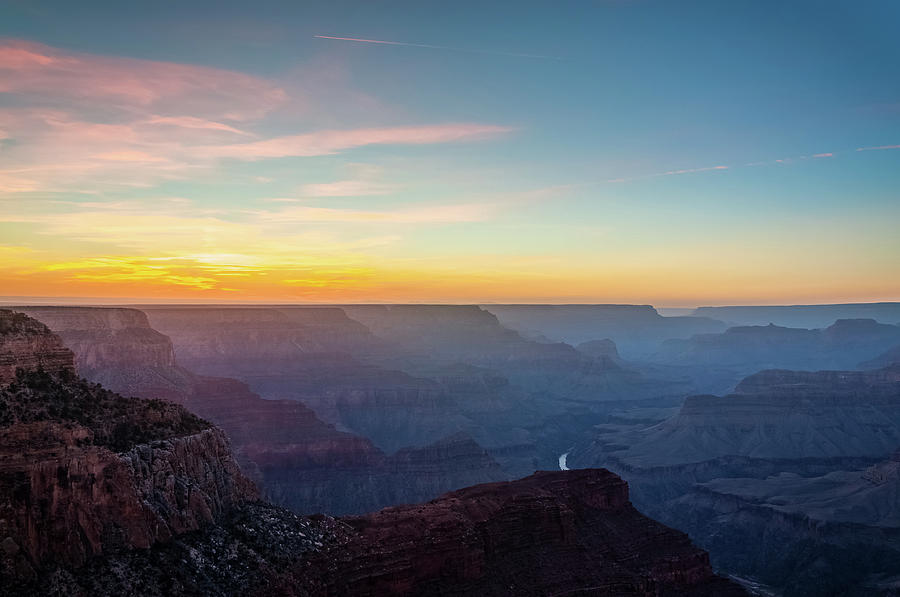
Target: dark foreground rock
{"points": [[554, 533]]}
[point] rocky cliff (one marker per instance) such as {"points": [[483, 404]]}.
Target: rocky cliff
{"points": [[28, 345], [552, 533], [85, 472], [772, 415], [746, 349], [802, 316], [773, 479], [116, 347], [244, 341], [297, 460], [452, 334], [309, 466], [835, 534], [636, 329]]}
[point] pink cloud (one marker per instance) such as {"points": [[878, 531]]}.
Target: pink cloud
{"points": [[823, 155], [331, 142], [417, 215], [31, 68], [191, 122], [56, 150], [136, 122], [346, 188]]}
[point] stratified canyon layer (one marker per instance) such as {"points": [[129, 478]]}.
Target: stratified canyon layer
{"points": [[781, 466], [740, 351], [832, 534], [408, 376], [636, 329], [84, 471], [802, 316], [103, 495], [298, 460]]}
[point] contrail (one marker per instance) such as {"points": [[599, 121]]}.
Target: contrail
{"points": [[452, 49]]}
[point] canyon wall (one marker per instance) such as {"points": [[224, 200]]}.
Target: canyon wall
{"points": [[87, 472], [298, 460], [802, 316], [549, 534], [778, 480], [636, 329]]}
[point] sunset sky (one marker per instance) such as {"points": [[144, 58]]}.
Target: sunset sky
{"points": [[673, 153]]}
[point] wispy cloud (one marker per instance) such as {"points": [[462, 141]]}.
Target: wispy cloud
{"points": [[87, 123], [331, 142], [167, 87], [779, 161], [83, 122], [347, 188], [435, 47], [692, 170], [433, 214], [670, 173]]}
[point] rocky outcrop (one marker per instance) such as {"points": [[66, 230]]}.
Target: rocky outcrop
{"points": [[636, 329], [747, 349], [600, 348], [298, 460], [309, 466], [66, 502], [116, 347], [452, 334], [552, 533], [449, 463], [28, 345], [773, 479], [86, 472], [253, 341], [802, 316], [772, 415], [865, 497], [837, 533]]}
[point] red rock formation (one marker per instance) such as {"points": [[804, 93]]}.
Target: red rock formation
{"points": [[116, 347], [237, 341], [551, 533], [28, 345], [63, 501], [84, 471], [298, 460]]}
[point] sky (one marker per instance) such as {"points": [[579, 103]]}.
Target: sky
{"points": [[676, 153]]}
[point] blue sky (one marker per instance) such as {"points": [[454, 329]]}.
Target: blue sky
{"points": [[671, 152]]}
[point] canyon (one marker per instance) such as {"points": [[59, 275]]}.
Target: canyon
{"points": [[802, 316], [105, 494], [636, 329], [410, 375], [298, 460], [751, 439], [793, 467], [724, 359]]}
